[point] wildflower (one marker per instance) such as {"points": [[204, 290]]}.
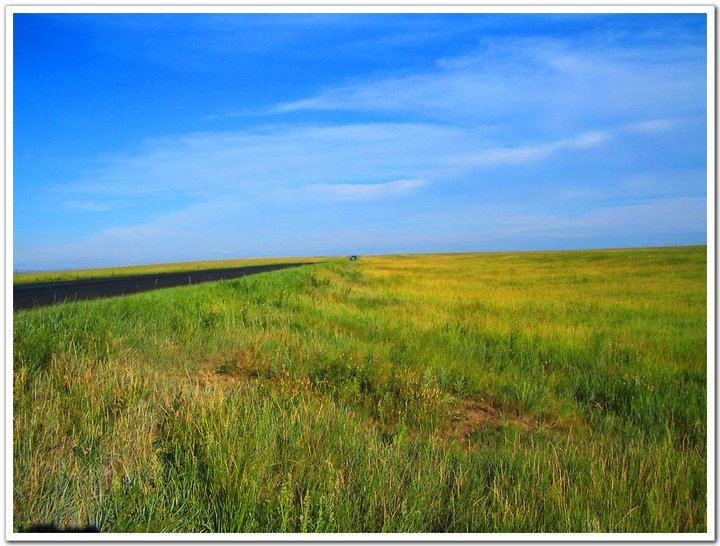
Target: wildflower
{"points": [[213, 312], [350, 413]]}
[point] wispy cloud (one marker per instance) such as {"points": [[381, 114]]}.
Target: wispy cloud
{"points": [[91, 206], [335, 162], [285, 171], [266, 160], [522, 154], [651, 126], [531, 81], [514, 101], [342, 192]]}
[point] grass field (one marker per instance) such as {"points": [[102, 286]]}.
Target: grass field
{"points": [[77, 274], [502, 392]]}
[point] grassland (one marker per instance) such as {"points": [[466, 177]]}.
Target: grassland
{"points": [[517, 392], [78, 274]]}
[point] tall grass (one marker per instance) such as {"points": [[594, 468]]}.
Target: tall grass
{"points": [[516, 392]]}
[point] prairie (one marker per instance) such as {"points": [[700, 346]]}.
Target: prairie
{"points": [[490, 392]]}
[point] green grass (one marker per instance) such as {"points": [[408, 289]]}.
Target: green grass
{"points": [[77, 274], [506, 392]]}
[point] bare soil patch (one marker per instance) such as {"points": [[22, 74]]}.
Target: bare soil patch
{"points": [[471, 416]]}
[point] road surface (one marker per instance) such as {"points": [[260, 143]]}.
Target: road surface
{"points": [[27, 296]]}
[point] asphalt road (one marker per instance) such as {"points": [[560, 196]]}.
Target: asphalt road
{"points": [[27, 296]]}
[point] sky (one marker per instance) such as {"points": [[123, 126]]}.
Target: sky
{"points": [[150, 138]]}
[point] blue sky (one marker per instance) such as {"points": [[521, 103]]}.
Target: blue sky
{"points": [[146, 138]]}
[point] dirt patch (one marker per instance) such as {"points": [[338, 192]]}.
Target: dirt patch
{"points": [[471, 416], [229, 369], [633, 344]]}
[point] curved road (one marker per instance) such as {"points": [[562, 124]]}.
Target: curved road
{"points": [[27, 296]]}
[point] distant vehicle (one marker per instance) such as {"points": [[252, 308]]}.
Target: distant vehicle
{"points": [[352, 258]]}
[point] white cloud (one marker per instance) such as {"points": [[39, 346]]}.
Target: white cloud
{"points": [[523, 154], [532, 84], [651, 126], [273, 161], [91, 206], [286, 162], [510, 102], [342, 192]]}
